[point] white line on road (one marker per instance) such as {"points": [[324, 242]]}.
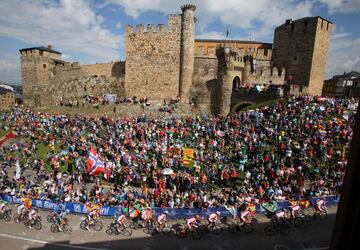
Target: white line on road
{"points": [[50, 243]]}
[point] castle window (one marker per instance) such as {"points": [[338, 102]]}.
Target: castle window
{"points": [[327, 26], [41, 52], [265, 52], [322, 23], [295, 58], [292, 26], [44, 66], [305, 23]]}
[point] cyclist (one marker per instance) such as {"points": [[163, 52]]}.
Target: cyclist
{"points": [[320, 204], [92, 217], [244, 212], [162, 220], [63, 218], [21, 210], [121, 220], [280, 216], [3, 207], [192, 222], [294, 208], [146, 215], [33, 215], [214, 217]]}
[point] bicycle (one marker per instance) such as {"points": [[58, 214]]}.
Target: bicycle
{"points": [[282, 226], [51, 218], [112, 229], [35, 223], [6, 215], [184, 231], [63, 227], [241, 227], [317, 215], [95, 225], [20, 217]]}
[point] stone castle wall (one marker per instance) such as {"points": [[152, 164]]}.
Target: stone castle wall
{"points": [[301, 47], [153, 60], [320, 55]]}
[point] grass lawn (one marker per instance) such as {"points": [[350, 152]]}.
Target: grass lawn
{"points": [[263, 104]]}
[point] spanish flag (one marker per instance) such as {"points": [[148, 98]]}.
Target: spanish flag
{"points": [[188, 156]]}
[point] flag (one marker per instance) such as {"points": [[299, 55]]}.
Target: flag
{"points": [[94, 165], [8, 136], [107, 174], [227, 32], [188, 156]]}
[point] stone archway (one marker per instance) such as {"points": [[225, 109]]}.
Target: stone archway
{"points": [[240, 106], [236, 82]]}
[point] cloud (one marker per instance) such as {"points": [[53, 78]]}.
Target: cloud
{"points": [[9, 71], [119, 25], [70, 26], [344, 54], [342, 6], [240, 14], [211, 35]]}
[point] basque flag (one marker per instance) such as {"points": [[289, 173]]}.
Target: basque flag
{"points": [[94, 165]]}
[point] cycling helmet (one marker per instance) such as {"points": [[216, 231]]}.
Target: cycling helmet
{"points": [[218, 213], [67, 211], [166, 212]]}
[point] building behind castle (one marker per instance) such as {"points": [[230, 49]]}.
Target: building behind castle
{"points": [[169, 63]]}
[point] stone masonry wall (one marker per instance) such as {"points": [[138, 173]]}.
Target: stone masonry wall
{"points": [[320, 55], [205, 83], [153, 60], [100, 69], [301, 47]]}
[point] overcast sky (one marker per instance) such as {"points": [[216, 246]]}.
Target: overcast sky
{"points": [[93, 31]]}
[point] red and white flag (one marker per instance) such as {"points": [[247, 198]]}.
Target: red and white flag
{"points": [[8, 136], [94, 165]]}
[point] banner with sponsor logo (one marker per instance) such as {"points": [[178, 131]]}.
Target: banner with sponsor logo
{"points": [[175, 213]]}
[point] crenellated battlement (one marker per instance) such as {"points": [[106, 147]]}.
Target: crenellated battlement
{"points": [[174, 25], [188, 7]]}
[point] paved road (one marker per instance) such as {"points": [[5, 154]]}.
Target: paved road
{"points": [[314, 235]]}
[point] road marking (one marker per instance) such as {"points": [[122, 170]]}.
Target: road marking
{"points": [[50, 243]]}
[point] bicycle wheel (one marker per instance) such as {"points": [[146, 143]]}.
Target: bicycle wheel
{"points": [[269, 231], [298, 221], [37, 225], [7, 217], [83, 225], [181, 233], [247, 228], [284, 229], [67, 229], [110, 231], [216, 229], [97, 226], [309, 217], [127, 231], [16, 218], [1, 216], [196, 234], [166, 230], [54, 228], [233, 228], [322, 215], [50, 218]]}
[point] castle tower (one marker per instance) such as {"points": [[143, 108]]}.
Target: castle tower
{"points": [[187, 51], [36, 72], [301, 47]]}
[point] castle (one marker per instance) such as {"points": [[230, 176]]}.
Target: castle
{"points": [[169, 63]]}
